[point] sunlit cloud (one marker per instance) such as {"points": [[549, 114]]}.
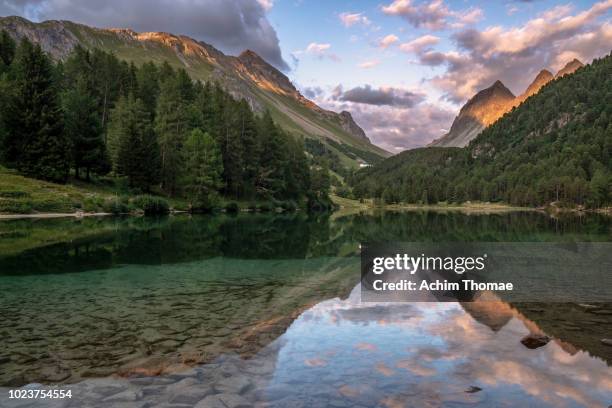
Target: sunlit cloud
{"points": [[419, 44], [388, 41], [369, 64], [351, 19]]}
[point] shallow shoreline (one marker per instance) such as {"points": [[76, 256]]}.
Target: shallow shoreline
{"points": [[52, 215]]}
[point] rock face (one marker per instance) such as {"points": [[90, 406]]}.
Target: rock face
{"points": [[491, 104], [542, 79], [348, 124], [570, 68], [481, 111], [247, 76]]}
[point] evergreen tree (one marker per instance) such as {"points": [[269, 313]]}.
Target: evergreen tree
{"points": [[132, 143], [84, 130], [251, 147], [270, 180], [35, 142], [204, 167], [148, 86], [600, 189], [172, 124], [7, 51]]}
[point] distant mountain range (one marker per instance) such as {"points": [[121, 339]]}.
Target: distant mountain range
{"points": [[490, 104], [247, 76], [555, 148]]}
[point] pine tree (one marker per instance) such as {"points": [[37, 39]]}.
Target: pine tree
{"points": [[172, 125], [148, 85], [35, 142], [204, 167], [270, 180], [251, 147], [7, 51], [84, 130], [600, 189], [132, 143]]}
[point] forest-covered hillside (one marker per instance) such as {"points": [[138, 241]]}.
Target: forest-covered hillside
{"points": [[555, 147], [150, 127], [247, 76]]}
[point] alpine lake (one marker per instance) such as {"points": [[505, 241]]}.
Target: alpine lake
{"points": [[264, 311]]}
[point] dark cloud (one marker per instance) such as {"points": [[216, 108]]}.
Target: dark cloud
{"points": [[394, 128], [231, 26], [384, 96], [312, 92], [400, 129]]}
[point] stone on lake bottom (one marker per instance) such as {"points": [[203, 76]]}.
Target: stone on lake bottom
{"points": [[534, 341], [224, 401]]}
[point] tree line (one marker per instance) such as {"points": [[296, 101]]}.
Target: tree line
{"points": [[555, 147], [150, 125]]}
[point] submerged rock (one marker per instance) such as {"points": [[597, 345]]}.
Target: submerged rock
{"points": [[534, 341], [607, 342], [224, 401]]}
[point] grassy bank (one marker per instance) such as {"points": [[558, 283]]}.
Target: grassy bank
{"points": [[23, 195], [369, 204], [26, 197]]}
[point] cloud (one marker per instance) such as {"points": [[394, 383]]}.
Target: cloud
{"points": [[231, 26], [432, 15], [399, 129], [470, 16], [515, 55], [369, 64], [266, 4], [312, 92], [387, 41], [320, 50], [419, 44], [382, 96], [393, 118], [351, 19]]}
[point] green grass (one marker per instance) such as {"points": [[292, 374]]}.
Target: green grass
{"points": [[23, 195]]}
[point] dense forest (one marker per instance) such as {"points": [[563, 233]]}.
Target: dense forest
{"points": [[150, 128], [556, 147]]}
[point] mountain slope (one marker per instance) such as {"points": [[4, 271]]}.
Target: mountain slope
{"points": [[542, 79], [570, 68], [478, 113], [247, 76], [555, 147], [490, 107]]}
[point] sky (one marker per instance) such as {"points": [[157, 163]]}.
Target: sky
{"points": [[403, 68]]}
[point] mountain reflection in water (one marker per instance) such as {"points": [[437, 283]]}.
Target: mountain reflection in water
{"points": [[264, 311]]}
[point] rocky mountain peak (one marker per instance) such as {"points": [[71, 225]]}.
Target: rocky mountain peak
{"points": [[570, 68], [266, 75], [490, 104], [479, 112], [487, 103], [350, 126], [543, 77]]}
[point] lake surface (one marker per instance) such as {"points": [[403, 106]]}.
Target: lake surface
{"points": [[264, 310]]}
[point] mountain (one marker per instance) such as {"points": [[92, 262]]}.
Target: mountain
{"points": [[553, 148], [542, 79], [490, 106], [247, 76], [570, 68], [478, 113]]}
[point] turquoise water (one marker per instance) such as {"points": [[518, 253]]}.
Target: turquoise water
{"points": [[266, 308]]}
